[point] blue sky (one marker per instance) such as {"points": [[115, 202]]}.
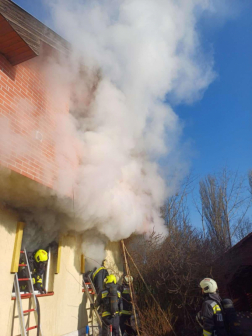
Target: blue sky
{"points": [[218, 126]]}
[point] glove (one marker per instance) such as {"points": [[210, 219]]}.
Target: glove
{"points": [[92, 306], [40, 288]]}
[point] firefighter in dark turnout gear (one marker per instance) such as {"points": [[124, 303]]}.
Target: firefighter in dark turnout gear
{"points": [[110, 301], [211, 316], [99, 276], [125, 319], [38, 267], [37, 262]]}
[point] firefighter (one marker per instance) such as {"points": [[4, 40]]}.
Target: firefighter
{"points": [[37, 262], [210, 317], [110, 301], [38, 265], [125, 319], [99, 276]]}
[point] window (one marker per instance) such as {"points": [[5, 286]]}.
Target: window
{"points": [[52, 266], [47, 277]]}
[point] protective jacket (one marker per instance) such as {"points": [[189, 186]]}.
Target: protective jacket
{"points": [[109, 304], [110, 301], [37, 270], [211, 316], [125, 320], [126, 299], [98, 277]]}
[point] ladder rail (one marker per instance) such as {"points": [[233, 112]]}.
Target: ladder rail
{"points": [[31, 288], [33, 296], [91, 300], [91, 283], [21, 312], [19, 305]]}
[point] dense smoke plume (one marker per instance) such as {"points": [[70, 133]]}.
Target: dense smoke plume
{"points": [[144, 50], [94, 247], [127, 58], [42, 229]]}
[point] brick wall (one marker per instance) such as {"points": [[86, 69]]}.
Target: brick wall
{"points": [[30, 114]]}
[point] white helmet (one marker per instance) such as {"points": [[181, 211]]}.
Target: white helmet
{"points": [[208, 285], [128, 279]]}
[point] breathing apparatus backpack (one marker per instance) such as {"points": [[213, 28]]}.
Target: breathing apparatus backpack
{"points": [[113, 299], [230, 318]]}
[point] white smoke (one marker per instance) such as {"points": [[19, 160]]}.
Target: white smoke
{"points": [[146, 50], [42, 228], [93, 247]]}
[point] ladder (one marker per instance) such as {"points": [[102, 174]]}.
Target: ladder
{"points": [[90, 296], [21, 312], [91, 291]]}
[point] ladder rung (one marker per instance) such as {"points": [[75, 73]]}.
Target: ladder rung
{"points": [[23, 279], [28, 311], [90, 291], [21, 251], [87, 283], [22, 265], [31, 328]]}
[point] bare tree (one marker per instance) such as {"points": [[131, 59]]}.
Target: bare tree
{"points": [[172, 268], [169, 268], [243, 229], [175, 211], [250, 181], [225, 203]]}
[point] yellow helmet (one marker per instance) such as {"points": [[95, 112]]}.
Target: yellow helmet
{"points": [[110, 278], [41, 256]]}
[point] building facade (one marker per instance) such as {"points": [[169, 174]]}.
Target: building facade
{"points": [[33, 165], [235, 270]]}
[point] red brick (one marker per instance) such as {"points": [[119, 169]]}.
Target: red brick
{"points": [[18, 161], [16, 169], [39, 113], [27, 174]]}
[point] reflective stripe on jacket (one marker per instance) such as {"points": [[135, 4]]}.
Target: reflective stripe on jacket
{"points": [[105, 294], [98, 278], [127, 312], [126, 299], [206, 333], [103, 300], [211, 315], [97, 271], [106, 313]]}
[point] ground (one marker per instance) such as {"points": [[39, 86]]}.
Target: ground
{"points": [[245, 318]]}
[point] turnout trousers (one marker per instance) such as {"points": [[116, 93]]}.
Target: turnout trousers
{"points": [[107, 321], [125, 325]]}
